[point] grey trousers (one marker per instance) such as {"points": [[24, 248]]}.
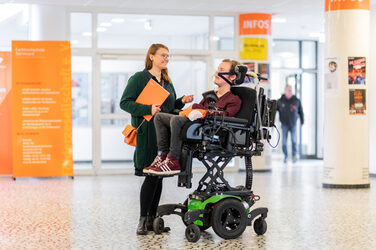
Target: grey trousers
{"points": [[168, 128]]}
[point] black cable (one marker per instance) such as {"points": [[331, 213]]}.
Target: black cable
{"points": [[279, 137]]}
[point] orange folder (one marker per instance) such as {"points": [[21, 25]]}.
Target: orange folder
{"points": [[153, 93]]}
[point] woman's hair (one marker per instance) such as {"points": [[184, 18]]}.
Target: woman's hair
{"points": [[149, 63], [233, 64]]}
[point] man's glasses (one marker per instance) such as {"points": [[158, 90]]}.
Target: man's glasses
{"points": [[165, 56]]}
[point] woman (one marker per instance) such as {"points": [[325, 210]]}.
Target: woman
{"points": [[156, 62]]}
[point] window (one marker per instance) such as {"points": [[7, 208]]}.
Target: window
{"points": [[224, 33], [133, 31], [14, 24], [285, 54], [82, 111], [81, 31], [309, 54], [114, 78]]}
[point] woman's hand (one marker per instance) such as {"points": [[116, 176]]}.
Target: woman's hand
{"points": [[187, 99], [155, 108]]}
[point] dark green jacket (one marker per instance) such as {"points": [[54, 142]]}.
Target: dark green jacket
{"points": [[146, 149]]}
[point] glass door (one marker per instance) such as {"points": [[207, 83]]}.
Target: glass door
{"points": [[307, 94], [114, 74], [188, 75], [304, 87]]}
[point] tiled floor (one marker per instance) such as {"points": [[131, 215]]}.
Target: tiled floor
{"points": [[102, 213]]}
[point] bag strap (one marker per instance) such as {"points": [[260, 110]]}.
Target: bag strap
{"points": [[140, 124]]}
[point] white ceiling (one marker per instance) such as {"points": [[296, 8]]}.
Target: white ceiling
{"points": [[302, 16]]}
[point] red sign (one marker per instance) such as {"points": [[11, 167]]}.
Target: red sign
{"points": [[255, 24], [331, 5], [5, 114]]}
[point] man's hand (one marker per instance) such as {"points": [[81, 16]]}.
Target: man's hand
{"points": [[187, 99], [155, 108]]}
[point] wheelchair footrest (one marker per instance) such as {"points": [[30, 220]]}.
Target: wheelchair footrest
{"points": [[168, 209]]}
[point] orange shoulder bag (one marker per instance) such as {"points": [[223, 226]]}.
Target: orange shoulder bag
{"points": [[130, 134]]}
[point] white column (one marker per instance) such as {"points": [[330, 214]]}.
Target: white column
{"points": [[47, 23], [346, 149], [372, 102]]}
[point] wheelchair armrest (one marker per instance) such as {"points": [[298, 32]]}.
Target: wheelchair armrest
{"points": [[231, 122]]}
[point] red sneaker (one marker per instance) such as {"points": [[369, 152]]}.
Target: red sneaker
{"points": [[169, 166], [157, 161]]}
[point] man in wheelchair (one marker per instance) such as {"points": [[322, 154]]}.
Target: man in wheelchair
{"points": [[169, 126], [215, 141]]}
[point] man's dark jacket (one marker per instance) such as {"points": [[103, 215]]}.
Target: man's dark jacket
{"points": [[290, 110]]}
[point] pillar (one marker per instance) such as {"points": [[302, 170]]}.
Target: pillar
{"points": [[47, 23], [346, 149]]}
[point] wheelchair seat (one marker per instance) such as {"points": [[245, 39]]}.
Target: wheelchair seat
{"points": [[191, 131]]}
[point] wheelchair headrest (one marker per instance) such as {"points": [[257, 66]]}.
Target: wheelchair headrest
{"points": [[241, 72]]}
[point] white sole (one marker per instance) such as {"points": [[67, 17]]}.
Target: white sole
{"points": [[165, 173]]}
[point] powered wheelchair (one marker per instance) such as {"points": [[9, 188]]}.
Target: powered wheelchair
{"points": [[215, 141]]}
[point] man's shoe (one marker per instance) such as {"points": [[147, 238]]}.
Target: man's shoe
{"points": [[170, 166], [157, 161], [141, 228], [294, 160], [285, 160]]}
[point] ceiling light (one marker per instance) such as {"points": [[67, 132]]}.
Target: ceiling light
{"points": [[101, 29], [117, 20], [106, 24], [278, 20], [86, 33]]}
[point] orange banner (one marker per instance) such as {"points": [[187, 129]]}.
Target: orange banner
{"points": [[331, 5], [5, 114], [42, 109], [255, 24]]}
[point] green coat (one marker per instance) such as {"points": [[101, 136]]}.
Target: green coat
{"points": [[146, 149]]}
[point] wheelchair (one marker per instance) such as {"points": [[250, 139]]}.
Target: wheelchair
{"points": [[215, 141]]}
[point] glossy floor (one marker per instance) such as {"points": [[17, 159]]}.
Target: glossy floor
{"points": [[102, 213]]}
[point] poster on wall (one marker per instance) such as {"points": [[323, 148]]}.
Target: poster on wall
{"points": [[332, 75], [250, 66], [5, 114], [253, 48], [357, 70], [263, 70], [357, 102], [42, 109]]}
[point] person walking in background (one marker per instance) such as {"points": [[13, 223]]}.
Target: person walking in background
{"points": [[156, 62], [290, 109]]}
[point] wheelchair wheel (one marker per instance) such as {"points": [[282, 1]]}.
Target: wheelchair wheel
{"points": [[192, 233], [260, 226], [229, 219], [158, 225]]}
